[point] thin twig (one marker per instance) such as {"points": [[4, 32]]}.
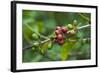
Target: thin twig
{"points": [[45, 41], [70, 40], [30, 46], [42, 36], [84, 17], [82, 27]]}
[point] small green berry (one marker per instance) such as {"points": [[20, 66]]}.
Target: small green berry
{"points": [[50, 45], [70, 26], [75, 22], [72, 32], [35, 36], [33, 48]]}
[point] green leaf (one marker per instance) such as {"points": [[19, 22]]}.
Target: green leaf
{"points": [[50, 45], [27, 33], [64, 54], [86, 51], [53, 55], [77, 46], [37, 58], [64, 51], [40, 26], [28, 55], [68, 45], [80, 34]]}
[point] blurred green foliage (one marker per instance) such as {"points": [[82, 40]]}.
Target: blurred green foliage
{"points": [[45, 22]]}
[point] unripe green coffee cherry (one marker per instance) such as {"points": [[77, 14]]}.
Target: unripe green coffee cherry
{"points": [[72, 32], [33, 48], [35, 36], [70, 26], [75, 22], [50, 45], [35, 44]]}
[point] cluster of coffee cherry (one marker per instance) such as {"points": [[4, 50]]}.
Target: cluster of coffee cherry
{"points": [[60, 31]]}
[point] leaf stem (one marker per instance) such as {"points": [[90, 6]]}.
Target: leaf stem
{"points": [[45, 41]]}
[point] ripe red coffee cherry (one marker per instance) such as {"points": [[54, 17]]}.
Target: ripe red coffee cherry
{"points": [[61, 42], [59, 36], [64, 29], [58, 32]]}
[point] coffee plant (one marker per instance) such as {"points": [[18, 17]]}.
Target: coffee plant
{"points": [[55, 36]]}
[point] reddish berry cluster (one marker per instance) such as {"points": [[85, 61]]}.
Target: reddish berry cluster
{"points": [[59, 34]]}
